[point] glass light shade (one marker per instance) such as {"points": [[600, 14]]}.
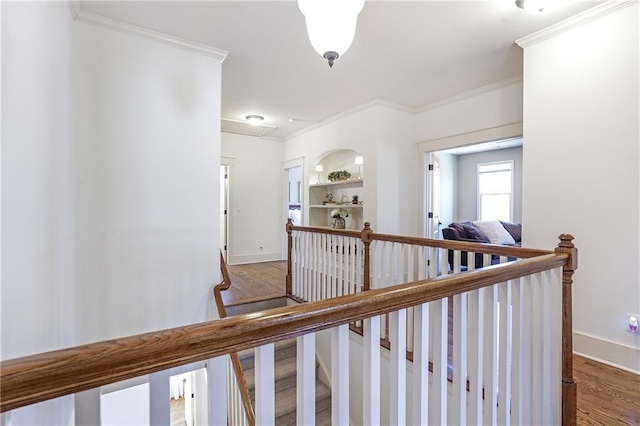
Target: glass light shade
{"points": [[254, 120], [331, 24], [531, 6], [319, 168], [359, 160]]}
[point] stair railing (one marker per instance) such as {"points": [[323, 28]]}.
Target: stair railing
{"points": [[325, 263], [240, 409], [28, 380]]}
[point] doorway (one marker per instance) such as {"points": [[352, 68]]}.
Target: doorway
{"points": [[294, 197], [433, 197], [224, 209]]}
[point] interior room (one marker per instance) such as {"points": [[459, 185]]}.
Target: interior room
{"points": [[142, 139]]}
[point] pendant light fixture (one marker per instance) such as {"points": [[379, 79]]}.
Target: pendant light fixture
{"points": [[331, 25], [531, 6]]}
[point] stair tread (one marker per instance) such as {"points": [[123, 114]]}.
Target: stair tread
{"points": [[283, 349], [284, 368], [286, 399]]}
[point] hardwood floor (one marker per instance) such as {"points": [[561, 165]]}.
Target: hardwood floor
{"points": [[606, 395], [255, 280]]}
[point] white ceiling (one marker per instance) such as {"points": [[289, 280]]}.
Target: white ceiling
{"points": [[409, 53]]}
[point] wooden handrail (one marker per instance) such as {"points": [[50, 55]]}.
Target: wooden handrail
{"points": [[36, 378], [478, 247], [235, 358]]}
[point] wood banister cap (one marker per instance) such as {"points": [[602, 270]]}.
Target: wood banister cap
{"points": [[366, 233], [566, 240]]}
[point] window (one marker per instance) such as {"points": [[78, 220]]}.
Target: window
{"points": [[495, 189]]}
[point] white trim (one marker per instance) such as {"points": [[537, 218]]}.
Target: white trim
{"points": [[255, 258], [486, 135], [304, 196], [91, 18], [471, 93], [611, 353], [578, 20], [346, 113]]}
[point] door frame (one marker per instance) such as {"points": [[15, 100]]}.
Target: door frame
{"points": [[506, 131], [304, 193]]}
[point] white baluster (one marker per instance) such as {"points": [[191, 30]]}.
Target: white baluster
{"points": [[265, 385], [159, 398], [527, 349], [490, 356], [547, 347], [475, 321], [87, 411], [516, 352], [556, 371], [438, 400], [504, 357], [536, 360], [315, 245], [340, 375], [459, 412], [306, 379], [398, 379], [421, 365], [217, 394], [371, 371]]}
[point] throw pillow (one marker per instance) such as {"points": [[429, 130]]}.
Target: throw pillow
{"points": [[515, 229], [458, 227], [495, 231], [474, 233]]}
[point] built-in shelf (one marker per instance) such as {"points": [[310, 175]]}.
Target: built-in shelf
{"points": [[336, 206], [342, 191], [337, 183]]}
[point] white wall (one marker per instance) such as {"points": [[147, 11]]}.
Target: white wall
{"points": [[147, 201], [109, 185], [581, 161], [256, 199], [468, 181], [37, 231], [383, 136], [485, 108]]}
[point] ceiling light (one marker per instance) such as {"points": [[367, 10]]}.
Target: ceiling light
{"points": [[255, 120], [331, 25], [531, 6]]}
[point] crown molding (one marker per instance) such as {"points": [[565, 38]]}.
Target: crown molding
{"points": [[471, 93], [91, 18], [350, 111], [578, 20]]}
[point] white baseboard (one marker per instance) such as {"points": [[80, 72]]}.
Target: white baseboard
{"points": [[614, 354], [255, 258]]}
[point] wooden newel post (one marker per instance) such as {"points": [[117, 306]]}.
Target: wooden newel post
{"points": [[289, 227], [569, 387], [365, 236]]}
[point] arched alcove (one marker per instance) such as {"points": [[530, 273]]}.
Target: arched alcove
{"points": [[329, 195]]}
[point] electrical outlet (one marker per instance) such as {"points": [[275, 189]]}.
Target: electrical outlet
{"points": [[632, 323], [260, 246]]}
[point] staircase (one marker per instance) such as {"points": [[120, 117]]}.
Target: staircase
{"points": [[285, 386]]}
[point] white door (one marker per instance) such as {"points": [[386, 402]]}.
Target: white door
{"points": [[433, 197]]}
